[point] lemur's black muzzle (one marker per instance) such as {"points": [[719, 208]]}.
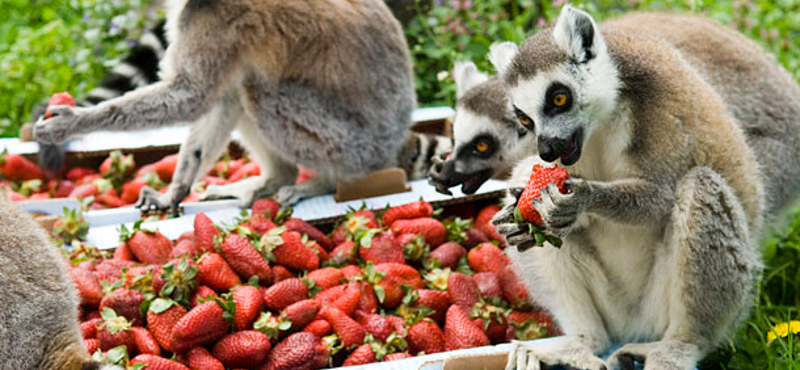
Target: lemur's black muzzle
{"points": [[443, 176], [568, 149]]}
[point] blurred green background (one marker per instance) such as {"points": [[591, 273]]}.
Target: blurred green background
{"points": [[48, 46]]}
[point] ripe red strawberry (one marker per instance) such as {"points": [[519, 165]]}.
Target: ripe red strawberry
{"points": [[132, 189], [298, 351], [349, 331], [125, 303], [545, 321], [78, 173], [513, 289], [245, 349], [88, 287], [83, 191], [245, 259], [62, 98], [407, 211], [184, 248], [248, 170], [302, 227], [322, 254], [463, 291], [17, 168], [162, 317], [330, 295], [399, 325], [145, 342], [326, 277], [397, 356], [425, 336], [368, 302], [157, 363], [492, 320], [199, 358], [249, 303], [60, 189], [320, 328], [448, 254], [343, 254], [301, 313], [260, 224], [122, 253], [391, 284], [487, 258], [148, 246], [204, 233], [281, 295], [262, 206], [540, 177], [114, 331], [377, 325], [349, 299], [201, 326], [215, 273], [351, 272], [436, 300], [489, 285], [483, 222], [110, 199], [202, 292], [70, 226], [176, 279], [89, 328], [280, 273], [362, 355], [382, 248], [292, 252], [431, 229], [92, 345], [166, 167], [460, 332]]}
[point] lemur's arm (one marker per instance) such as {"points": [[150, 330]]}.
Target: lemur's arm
{"points": [[630, 201]]}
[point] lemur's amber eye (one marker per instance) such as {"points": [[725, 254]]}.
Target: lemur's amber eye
{"points": [[525, 121], [482, 147], [560, 100]]}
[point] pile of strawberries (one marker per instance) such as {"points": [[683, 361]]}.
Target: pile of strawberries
{"points": [[274, 292]]}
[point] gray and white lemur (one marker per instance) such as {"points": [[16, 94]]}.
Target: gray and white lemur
{"points": [[669, 149], [324, 84], [38, 304], [487, 139]]}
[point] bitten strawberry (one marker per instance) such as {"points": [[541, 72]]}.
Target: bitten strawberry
{"points": [[245, 349], [460, 332], [407, 211]]}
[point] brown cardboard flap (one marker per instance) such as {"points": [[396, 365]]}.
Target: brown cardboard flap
{"points": [[383, 182], [491, 361]]}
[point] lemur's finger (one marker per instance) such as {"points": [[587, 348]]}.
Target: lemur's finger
{"points": [[516, 192]]}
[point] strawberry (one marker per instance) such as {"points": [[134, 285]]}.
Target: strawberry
{"points": [[202, 325], [322, 254], [513, 289], [399, 325], [381, 248], [349, 299], [88, 287], [157, 363], [541, 176], [389, 287], [184, 248], [166, 167], [425, 336], [122, 253], [320, 328], [349, 331], [489, 285], [487, 258], [343, 254], [483, 222], [60, 189], [330, 295], [545, 320], [397, 356], [260, 224], [302, 227], [199, 358], [17, 168], [70, 226], [114, 331], [351, 272], [62, 98], [300, 314], [436, 300], [448, 254], [326, 277], [125, 302], [377, 325], [280, 273], [407, 211], [244, 259], [463, 291], [491, 319], [288, 248], [248, 170], [110, 199], [148, 246], [162, 317], [526, 326], [204, 233], [263, 206], [89, 328], [249, 302], [368, 302], [460, 332], [362, 355], [132, 189], [215, 273], [298, 351], [431, 229], [244, 349], [89, 179], [145, 342], [202, 292], [177, 280], [281, 295], [92, 345], [271, 325], [84, 191], [78, 173]]}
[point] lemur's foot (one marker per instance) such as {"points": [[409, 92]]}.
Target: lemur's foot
{"points": [[245, 191], [291, 194], [576, 356], [664, 355], [152, 201], [56, 129]]}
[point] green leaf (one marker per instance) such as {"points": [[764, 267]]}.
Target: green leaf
{"points": [[380, 292], [160, 305]]}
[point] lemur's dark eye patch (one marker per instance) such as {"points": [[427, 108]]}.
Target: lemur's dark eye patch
{"points": [[558, 99], [482, 146], [523, 118]]}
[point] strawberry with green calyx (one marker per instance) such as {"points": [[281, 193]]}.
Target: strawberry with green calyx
{"points": [[457, 229], [379, 246], [180, 280], [431, 303], [460, 332], [148, 246], [30, 187], [249, 302], [415, 249], [118, 168], [344, 254], [425, 336], [162, 316], [492, 317], [70, 226], [115, 356], [437, 278], [15, 167], [114, 331], [388, 280], [82, 252], [271, 325], [355, 223], [448, 254], [540, 177], [288, 248], [214, 272], [125, 303], [528, 330], [430, 228], [417, 209], [244, 258], [303, 351]]}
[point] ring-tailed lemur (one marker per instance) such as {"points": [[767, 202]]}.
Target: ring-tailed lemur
{"points": [[666, 197], [487, 138], [324, 84], [38, 305]]}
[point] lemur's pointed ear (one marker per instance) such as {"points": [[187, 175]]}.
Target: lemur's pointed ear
{"points": [[467, 76], [577, 33], [501, 54]]}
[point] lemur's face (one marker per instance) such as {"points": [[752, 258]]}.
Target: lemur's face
{"points": [[562, 85]]}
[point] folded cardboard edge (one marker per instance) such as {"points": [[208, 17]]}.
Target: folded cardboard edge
{"points": [[374, 184]]}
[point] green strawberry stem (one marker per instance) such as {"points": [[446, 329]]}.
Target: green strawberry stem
{"points": [[539, 233]]}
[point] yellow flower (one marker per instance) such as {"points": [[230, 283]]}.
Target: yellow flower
{"points": [[783, 329]]}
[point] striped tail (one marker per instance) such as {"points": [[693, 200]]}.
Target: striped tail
{"points": [[416, 156]]}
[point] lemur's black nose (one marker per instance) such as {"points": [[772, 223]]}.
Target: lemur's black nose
{"points": [[551, 149]]}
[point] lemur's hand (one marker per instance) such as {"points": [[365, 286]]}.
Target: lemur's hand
{"points": [[152, 201], [560, 211], [516, 234], [57, 129]]}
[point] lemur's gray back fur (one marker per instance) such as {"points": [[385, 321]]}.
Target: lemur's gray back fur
{"points": [[38, 303]]}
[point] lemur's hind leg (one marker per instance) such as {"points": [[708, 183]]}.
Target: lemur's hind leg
{"points": [[712, 264], [207, 139]]}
